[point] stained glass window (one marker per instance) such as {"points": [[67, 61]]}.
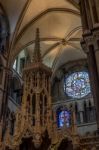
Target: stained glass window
{"points": [[64, 118], [77, 85]]}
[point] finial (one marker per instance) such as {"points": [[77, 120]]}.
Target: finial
{"points": [[37, 53]]}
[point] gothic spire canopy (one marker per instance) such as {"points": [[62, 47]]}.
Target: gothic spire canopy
{"points": [[37, 54], [37, 63]]}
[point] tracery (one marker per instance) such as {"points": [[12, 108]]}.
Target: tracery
{"points": [[77, 85]]}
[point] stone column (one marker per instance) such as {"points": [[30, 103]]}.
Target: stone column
{"points": [[97, 7], [81, 117], [95, 79], [4, 106], [88, 14], [89, 44], [97, 59], [93, 73], [97, 50], [81, 110], [94, 11], [83, 15]]}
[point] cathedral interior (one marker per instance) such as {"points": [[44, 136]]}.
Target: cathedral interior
{"points": [[49, 74]]}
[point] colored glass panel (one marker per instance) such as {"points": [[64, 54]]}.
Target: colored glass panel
{"points": [[64, 118], [77, 85]]}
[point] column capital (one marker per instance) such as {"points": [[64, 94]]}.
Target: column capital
{"points": [[96, 39], [84, 46], [86, 42], [90, 38]]}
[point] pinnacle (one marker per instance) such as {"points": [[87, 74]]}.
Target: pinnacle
{"points": [[37, 53]]}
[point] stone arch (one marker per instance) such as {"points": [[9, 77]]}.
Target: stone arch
{"points": [[65, 144]]}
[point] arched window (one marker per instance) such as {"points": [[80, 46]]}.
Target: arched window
{"points": [[63, 118], [77, 85], [15, 90]]}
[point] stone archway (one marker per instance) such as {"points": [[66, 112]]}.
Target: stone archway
{"points": [[27, 144], [65, 145]]}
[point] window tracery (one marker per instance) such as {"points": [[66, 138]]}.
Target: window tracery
{"points": [[77, 85]]}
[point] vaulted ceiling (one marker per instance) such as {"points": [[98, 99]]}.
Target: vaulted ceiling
{"points": [[60, 29]]}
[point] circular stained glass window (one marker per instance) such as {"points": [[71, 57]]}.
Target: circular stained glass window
{"points": [[77, 85]]}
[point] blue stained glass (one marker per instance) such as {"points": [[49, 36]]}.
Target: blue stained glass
{"points": [[64, 118], [77, 85]]}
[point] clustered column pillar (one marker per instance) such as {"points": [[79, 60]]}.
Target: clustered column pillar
{"points": [[93, 73], [90, 23]]}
